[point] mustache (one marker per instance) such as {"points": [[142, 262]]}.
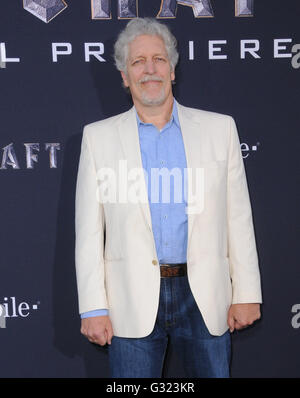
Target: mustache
{"points": [[148, 78]]}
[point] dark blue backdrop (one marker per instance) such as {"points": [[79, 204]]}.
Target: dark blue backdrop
{"points": [[42, 102]]}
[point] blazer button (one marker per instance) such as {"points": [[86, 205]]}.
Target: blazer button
{"points": [[154, 262]]}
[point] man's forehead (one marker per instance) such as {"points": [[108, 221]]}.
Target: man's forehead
{"points": [[147, 43]]}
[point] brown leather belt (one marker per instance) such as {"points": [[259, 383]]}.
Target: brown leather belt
{"points": [[169, 270]]}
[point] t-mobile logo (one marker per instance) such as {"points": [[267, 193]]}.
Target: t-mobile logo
{"points": [[11, 308]]}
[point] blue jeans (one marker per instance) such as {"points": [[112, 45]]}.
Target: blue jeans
{"points": [[180, 320]]}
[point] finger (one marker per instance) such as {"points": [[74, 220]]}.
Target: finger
{"points": [[102, 340], [109, 337], [98, 338], [106, 336], [240, 326], [110, 334], [231, 324]]}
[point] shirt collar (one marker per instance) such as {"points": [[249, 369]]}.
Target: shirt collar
{"points": [[174, 116]]}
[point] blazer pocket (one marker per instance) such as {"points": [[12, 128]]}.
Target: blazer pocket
{"points": [[111, 260], [113, 256]]}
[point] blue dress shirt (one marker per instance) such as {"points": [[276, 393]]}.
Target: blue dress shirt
{"points": [[164, 149]]}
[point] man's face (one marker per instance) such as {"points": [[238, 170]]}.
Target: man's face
{"points": [[149, 72]]}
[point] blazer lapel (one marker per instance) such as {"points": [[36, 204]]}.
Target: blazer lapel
{"points": [[193, 137], [129, 138]]}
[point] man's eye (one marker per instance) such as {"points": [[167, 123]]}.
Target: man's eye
{"points": [[160, 59]]}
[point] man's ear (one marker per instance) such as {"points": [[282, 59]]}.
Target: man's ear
{"points": [[172, 75], [125, 81]]}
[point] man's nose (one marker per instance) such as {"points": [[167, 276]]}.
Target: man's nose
{"points": [[150, 67]]}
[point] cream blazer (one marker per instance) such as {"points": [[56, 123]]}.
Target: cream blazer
{"points": [[116, 261]]}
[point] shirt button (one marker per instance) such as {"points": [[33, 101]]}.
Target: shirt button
{"points": [[154, 262]]}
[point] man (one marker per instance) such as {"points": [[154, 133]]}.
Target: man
{"points": [[179, 270]]}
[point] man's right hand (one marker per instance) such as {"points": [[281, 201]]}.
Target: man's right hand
{"points": [[97, 329]]}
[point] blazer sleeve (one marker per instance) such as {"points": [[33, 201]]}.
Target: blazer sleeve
{"points": [[89, 233], [243, 259]]}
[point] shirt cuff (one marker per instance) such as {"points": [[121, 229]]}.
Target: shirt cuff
{"points": [[89, 314]]}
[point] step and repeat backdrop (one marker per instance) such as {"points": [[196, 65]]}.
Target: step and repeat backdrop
{"points": [[238, 57]]}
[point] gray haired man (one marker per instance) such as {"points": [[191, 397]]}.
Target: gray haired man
{"points": [[164, 273]]}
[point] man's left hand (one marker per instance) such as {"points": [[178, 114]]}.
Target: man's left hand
{"points": [[242, 315]]}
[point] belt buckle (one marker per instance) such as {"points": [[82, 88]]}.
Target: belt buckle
{"points": [[167, 271]]}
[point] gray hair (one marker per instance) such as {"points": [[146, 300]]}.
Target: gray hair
{"points": [[144, 26]]}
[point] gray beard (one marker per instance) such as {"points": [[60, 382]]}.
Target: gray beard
{"points": [[153, 101]]}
